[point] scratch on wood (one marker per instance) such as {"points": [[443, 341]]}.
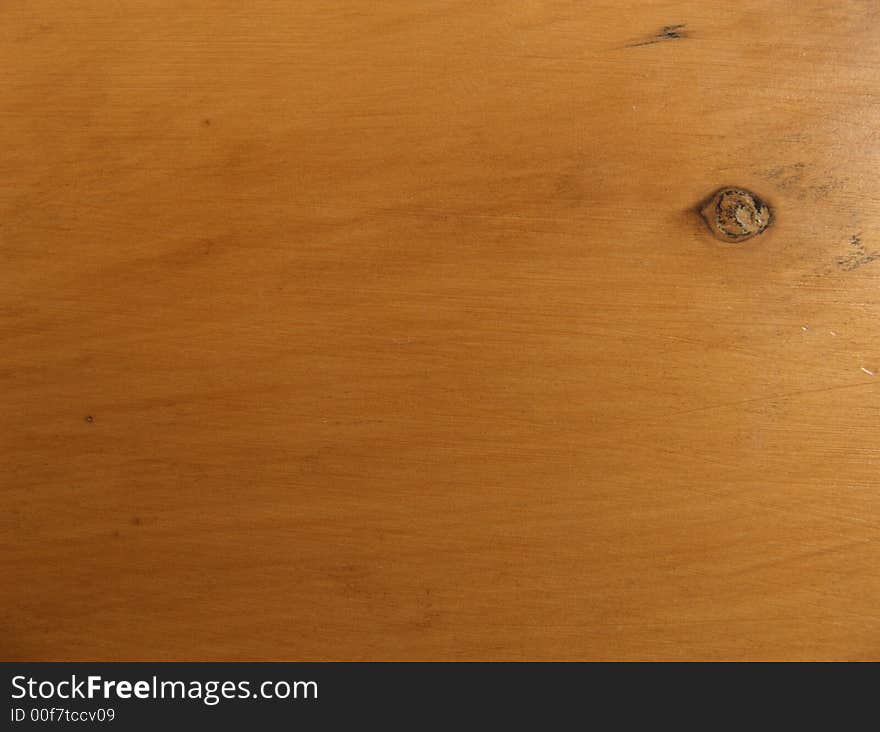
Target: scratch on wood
{"points": [[768, 398], [667, 33]]}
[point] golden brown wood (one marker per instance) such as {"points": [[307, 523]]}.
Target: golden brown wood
{"points": [[391, 330]]}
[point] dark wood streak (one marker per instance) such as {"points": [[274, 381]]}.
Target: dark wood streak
{"points": [[858, 256], [667, 33]]}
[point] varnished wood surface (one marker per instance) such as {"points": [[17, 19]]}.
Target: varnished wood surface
{"points": [[390, 330]]}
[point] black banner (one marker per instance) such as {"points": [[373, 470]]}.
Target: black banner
{"points": [[135, 696]]}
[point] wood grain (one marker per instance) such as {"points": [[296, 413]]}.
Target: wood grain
{"points": [[391, 330]]}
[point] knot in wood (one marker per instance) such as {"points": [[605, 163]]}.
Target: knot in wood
{"points": [[735, 214]]}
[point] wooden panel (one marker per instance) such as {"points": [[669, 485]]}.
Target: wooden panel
{"points": [[391, 330]]}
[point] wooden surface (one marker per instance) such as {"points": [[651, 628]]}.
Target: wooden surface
{"points": [[391, 330]]}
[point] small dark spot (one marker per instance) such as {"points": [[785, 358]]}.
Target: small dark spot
{"points": [[115, 534], [89, 418], [672, 31], [858, 256], [136, 520], [206, 121]]}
